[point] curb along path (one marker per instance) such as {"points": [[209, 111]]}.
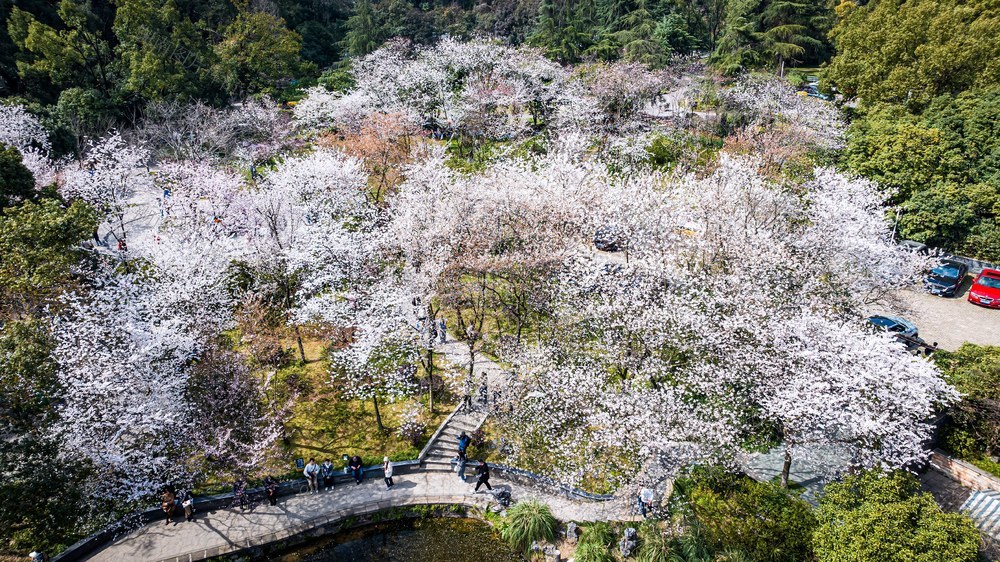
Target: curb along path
{"points": [[229, 530]]}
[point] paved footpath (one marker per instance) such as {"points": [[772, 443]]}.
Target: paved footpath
{"points": [[228, 530]]}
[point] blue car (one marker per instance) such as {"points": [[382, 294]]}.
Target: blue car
{"points": [[946, 278], [895, 325]]}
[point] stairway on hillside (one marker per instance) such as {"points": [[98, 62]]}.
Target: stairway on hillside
{"points": [[984, 509], [445, 447]]}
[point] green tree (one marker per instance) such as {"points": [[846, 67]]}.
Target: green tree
{"points": [[364, 33], [257, 53], [16, 182], [79, 53], [38, 508], [164, 54], [38, 249], [911, 51], [875, 516], [563, 29]]}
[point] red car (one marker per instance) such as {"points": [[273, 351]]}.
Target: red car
{"points": [[985, 289]]}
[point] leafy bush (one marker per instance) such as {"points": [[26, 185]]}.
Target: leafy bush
{"points": [[657, 546], [974, 430], [595, 543], [759, 519], [527, 522], [874, 516]]}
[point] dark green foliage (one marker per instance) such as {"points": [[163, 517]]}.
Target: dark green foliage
{"points": [[974, 431], [758, 519], [38, 250], [38, 493], [16, 182], [772, 33], [943, 163], [875, 516]]}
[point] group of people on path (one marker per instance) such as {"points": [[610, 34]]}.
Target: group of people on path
{"points": [[436, 331], [317, 474], [482, 469], [172, 502]]}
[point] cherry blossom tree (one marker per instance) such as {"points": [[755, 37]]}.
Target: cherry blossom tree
{"points": [[114, 179], [23, 131]]}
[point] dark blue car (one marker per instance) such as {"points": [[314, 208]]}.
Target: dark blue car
{"points": [[946, 278]]}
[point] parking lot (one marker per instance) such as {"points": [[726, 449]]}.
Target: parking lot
{"points": [[951, 321]]}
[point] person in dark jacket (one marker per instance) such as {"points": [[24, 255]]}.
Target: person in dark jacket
{"points": [[483, 472], [356, 469], [271, 487], [326, 472]]}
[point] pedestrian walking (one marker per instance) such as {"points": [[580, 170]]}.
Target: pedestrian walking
{"points": [[463, 443], [271, 489], [356, 469], [38, 556], [460, 469], [326, 472], [387, 469], [442, 330], [645, 500], [311, 473], [483, 473]]}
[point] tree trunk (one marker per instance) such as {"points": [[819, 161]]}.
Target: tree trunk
{"points": [[378, 415], [298, 339], [786, 468]]}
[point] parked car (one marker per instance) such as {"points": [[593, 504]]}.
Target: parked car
{"points": [[894, 324], [945, 279], [985, 290], [914, 246], [609, 238]]}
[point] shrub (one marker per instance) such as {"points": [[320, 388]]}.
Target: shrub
{"points": [[527, 522], [758, 519], [656, 546], [595, 543], [874, 516]]}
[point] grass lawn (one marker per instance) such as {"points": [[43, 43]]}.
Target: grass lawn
{"points": [[322, 425]]}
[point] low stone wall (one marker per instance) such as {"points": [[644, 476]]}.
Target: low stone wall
{"points": [[964, 473]]}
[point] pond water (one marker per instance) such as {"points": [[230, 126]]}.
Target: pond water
{"points": [[446, 539]]}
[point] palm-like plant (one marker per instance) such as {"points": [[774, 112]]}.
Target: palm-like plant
{"points": [[527, 522]]}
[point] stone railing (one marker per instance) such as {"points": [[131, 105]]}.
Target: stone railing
{"points": [[87, 546], [963, 472]]}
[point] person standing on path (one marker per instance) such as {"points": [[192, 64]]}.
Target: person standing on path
{"points": [[188, 505], [271, 486], [326, 472], [387, 469], [462, 460], [312, 476], [463, 443], [483, 472], [356, 469], [442, 330]]}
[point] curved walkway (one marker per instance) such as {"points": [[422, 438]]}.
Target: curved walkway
{"points": [[229, 530]]}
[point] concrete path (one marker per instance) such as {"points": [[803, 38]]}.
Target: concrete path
{"points": [[229, 530]]}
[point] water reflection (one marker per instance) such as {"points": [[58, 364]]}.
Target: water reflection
{"points": [[409, 540]]}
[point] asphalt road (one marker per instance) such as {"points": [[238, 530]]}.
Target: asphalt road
{"points": [[951, 321]]}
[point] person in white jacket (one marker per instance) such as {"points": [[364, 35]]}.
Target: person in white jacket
{"points": [[387, 467], [312, 476]]}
